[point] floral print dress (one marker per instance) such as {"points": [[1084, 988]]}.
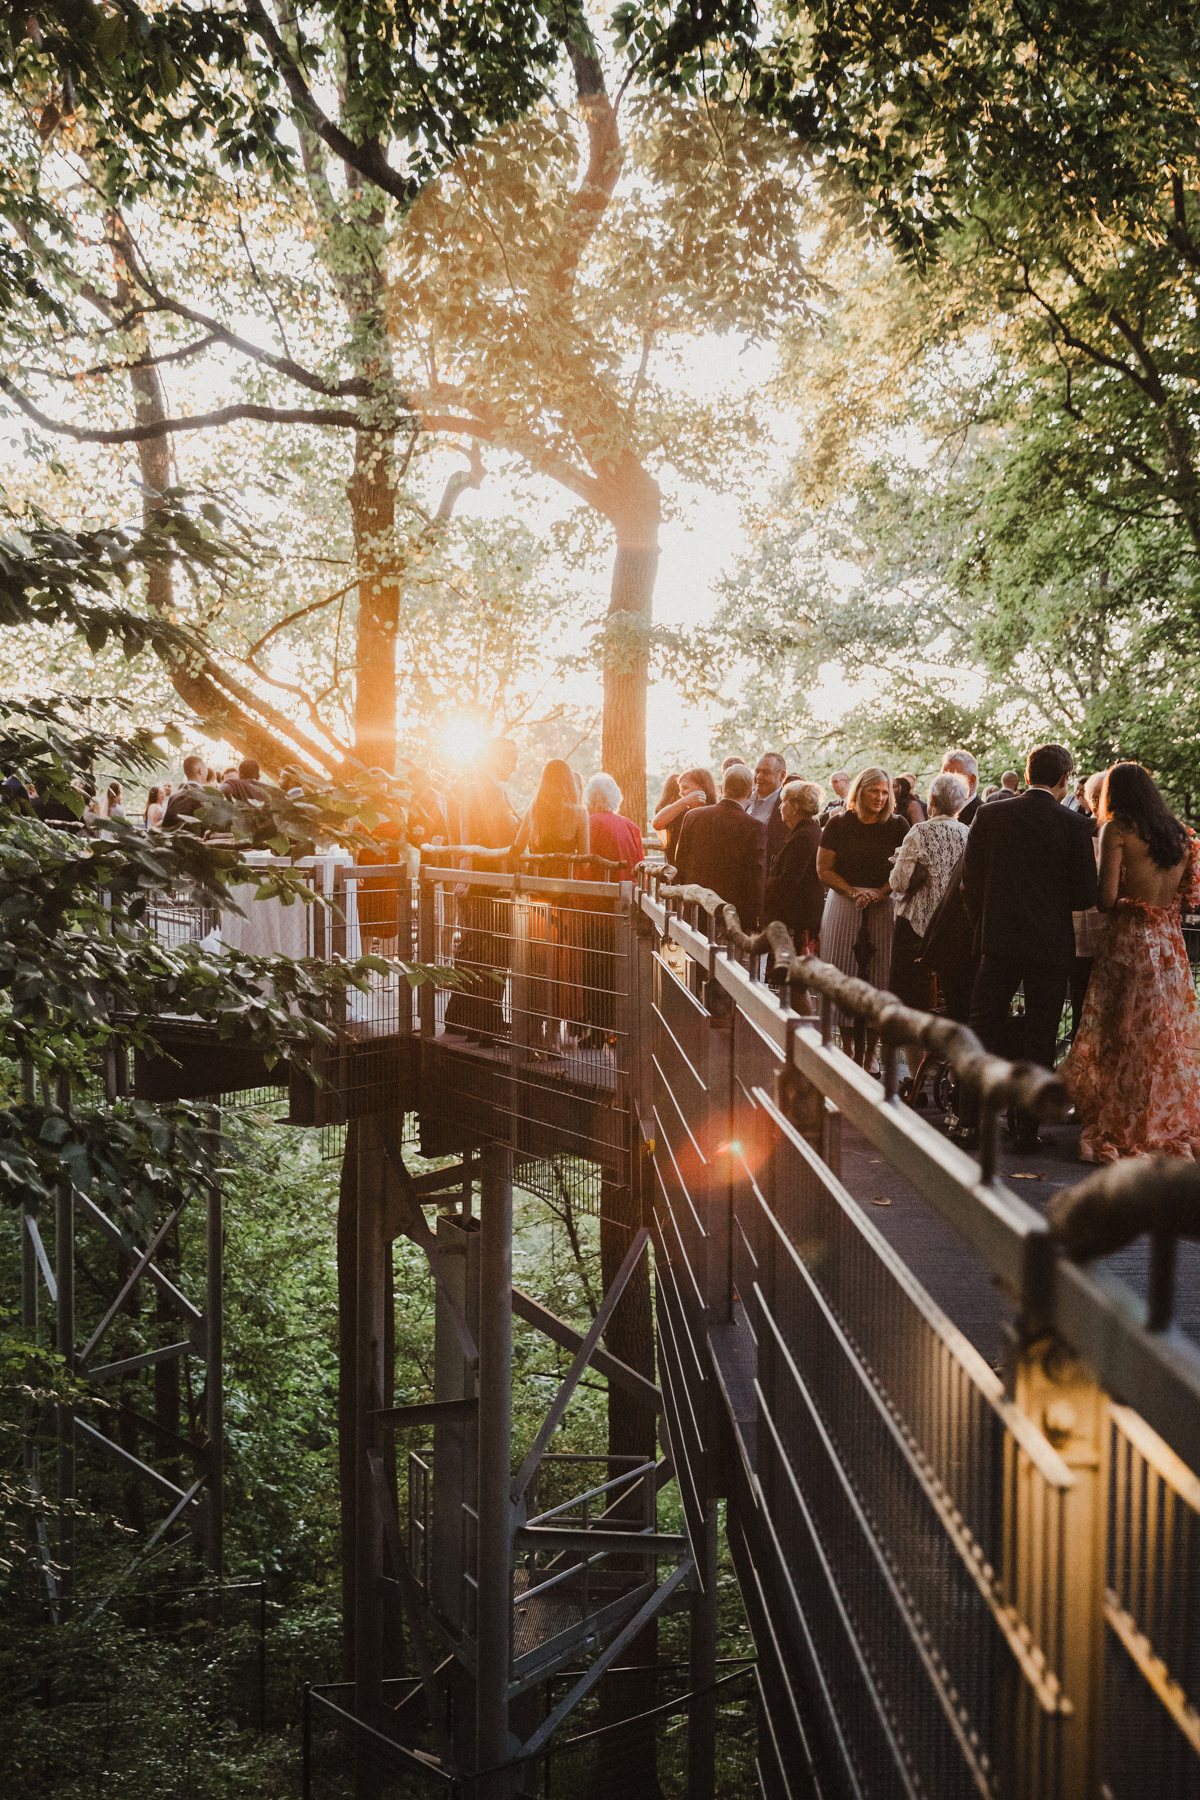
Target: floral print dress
{"points": [[1134, 1068]]}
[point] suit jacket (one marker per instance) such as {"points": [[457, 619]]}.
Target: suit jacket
{"points": [[768, 813], [184, 803], [794, 895], [723, 848], [1026, 868], [967, 815]]}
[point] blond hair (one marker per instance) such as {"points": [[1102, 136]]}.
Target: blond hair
{"points": [[864, 776], [805, 796]]}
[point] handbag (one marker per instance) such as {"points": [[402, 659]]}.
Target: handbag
{"points": [[1089, 929]]}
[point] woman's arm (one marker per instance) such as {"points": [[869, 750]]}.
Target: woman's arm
{"points": [[522, 837], [827, 874], [583, 835], [666, 814], [905, 863], [1112, 850]]}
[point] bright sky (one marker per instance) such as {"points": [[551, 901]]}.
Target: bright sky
{"points": [[698, 546]]}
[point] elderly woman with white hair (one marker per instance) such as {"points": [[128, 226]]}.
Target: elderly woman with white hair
{"points": [[613, 837], [920, 876], [854, 864], [592, 935]]}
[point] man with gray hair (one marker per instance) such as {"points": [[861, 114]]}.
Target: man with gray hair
{"points": [[961, 762], [763, 803], [721, 847]]}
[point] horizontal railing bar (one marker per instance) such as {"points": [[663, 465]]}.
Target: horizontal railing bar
{"points": [[1153, 1669], [168, 1353], [430, 1412], [557, 1579], [607, 1543], [593, 1493]]}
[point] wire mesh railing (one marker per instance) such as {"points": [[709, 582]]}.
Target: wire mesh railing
{"points": [[534, 1040], [959, 1584]]}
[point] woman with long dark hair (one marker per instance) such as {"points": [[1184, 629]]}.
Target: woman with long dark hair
{"points": [[1134, 1068], [556, 825]]}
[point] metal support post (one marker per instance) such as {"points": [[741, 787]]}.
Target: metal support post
{"points": [[495, 1459], [702, 1665], [29, 1268], [29, 1276], [214, 1384], [372, 1251], [1065, 1403], [64, 1276]]}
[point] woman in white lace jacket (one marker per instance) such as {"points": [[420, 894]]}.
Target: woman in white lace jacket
{"points": [[925, 863]]}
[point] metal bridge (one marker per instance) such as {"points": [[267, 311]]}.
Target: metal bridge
{"points": [[965, 1532]]}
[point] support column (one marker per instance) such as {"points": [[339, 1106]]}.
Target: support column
{"points": [[372, 1251], [702, 1666], [495, 1465], [64, 1277], [347, 1280], [1065, 1598], [29, 1267], [214, 1384]]}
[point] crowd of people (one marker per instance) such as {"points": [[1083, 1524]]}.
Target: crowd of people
{"points": [[1076, 888], [165, 804]]}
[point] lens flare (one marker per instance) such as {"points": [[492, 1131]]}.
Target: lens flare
{"points": [[465, 738]]}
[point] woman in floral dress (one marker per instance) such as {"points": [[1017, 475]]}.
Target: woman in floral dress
{"points": [[1134, 1068]]}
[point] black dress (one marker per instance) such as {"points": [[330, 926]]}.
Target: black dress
{"points": [[794, 894]]}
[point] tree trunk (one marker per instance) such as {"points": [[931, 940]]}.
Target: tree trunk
{"points": [[193, 681], [636, 510], [371, 492]]}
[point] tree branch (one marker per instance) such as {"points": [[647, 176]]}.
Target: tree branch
{"points": [[157, 428], [354, 386], [123, 368], [460, 481], [368, 159], [290, 619]]}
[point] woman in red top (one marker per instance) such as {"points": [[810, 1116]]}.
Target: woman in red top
{"points": [[619, 841], [612, 836]]}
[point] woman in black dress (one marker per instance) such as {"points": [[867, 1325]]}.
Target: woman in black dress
{"points": [[855, 864], [794, 892]]}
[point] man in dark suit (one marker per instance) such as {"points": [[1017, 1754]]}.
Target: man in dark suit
{"points": [[721, 847], [1026, 868], [186, 802]]}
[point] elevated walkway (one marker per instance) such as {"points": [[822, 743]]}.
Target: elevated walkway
{"points": [[959, 1473]]}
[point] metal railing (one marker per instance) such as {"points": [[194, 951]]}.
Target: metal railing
{"points": [[533, 1045], [958, 1584]]}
